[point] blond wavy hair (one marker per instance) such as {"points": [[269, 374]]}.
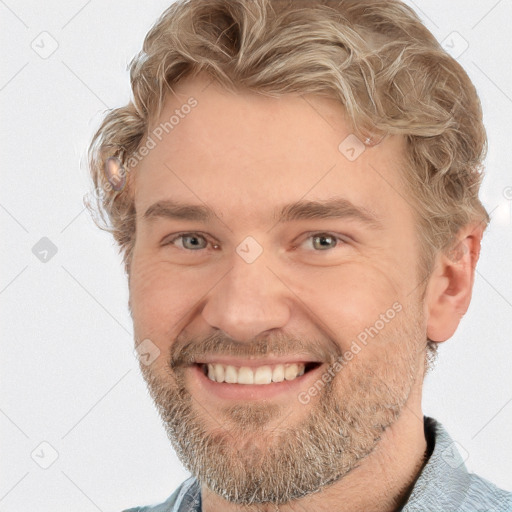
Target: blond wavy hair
{"points": [[374, 56]]}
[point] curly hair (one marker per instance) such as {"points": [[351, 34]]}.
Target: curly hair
{"points": [[374, 56]]}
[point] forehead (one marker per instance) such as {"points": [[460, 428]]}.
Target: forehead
{"points": [[251, 152]]}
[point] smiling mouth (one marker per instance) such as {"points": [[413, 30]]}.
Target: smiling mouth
{"points": [[261, 375]]}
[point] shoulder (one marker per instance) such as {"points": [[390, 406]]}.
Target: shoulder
{"points": [[446, 484], [168, 505], [475, 492], [483, 495]]}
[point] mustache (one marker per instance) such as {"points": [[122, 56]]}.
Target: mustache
{"points": [[187, 350]]}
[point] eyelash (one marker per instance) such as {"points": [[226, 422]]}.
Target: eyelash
{"points": [[310, 236]]}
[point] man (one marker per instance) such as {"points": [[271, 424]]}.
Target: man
{"points": [[294, 189]]}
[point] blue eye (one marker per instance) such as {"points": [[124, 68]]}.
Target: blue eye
{"points": [[190, 241], [195, 242]]}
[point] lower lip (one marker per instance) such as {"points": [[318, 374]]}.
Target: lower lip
{"points": [[228, 391]]}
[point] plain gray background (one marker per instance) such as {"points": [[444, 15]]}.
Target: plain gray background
{"points": [[70, 379]]}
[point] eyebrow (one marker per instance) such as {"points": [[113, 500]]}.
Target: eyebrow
{"points": [[334, 208], [174, 210]]}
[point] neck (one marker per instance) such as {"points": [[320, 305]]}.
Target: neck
{"points": [[381, 483]]}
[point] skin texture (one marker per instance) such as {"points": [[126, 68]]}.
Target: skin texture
{"points": [[358, 444]]}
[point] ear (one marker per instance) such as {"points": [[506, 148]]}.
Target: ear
{"points": [[451, 283]]}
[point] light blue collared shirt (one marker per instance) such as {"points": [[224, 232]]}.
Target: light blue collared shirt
{"points": [[444, 485]]}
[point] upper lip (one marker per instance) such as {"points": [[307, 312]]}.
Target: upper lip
{"points": [[254, 362]]}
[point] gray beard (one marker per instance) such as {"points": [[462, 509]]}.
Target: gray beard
{"points": [[247, 462]]}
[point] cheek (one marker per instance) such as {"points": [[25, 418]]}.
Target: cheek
{"points": [[349, 298], [157, 298], [163, 300]]}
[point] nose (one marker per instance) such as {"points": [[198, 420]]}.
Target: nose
{"points": [[249, 300]]}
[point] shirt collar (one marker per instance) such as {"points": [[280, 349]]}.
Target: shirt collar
{"points": [[444, 480]]}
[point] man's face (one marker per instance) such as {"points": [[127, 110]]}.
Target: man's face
{"points": [[246, 286]]}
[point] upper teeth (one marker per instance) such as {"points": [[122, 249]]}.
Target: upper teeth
{"points": [[259, 375]]}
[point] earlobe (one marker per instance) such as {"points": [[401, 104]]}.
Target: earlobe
{"points": [[451, 283]]}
